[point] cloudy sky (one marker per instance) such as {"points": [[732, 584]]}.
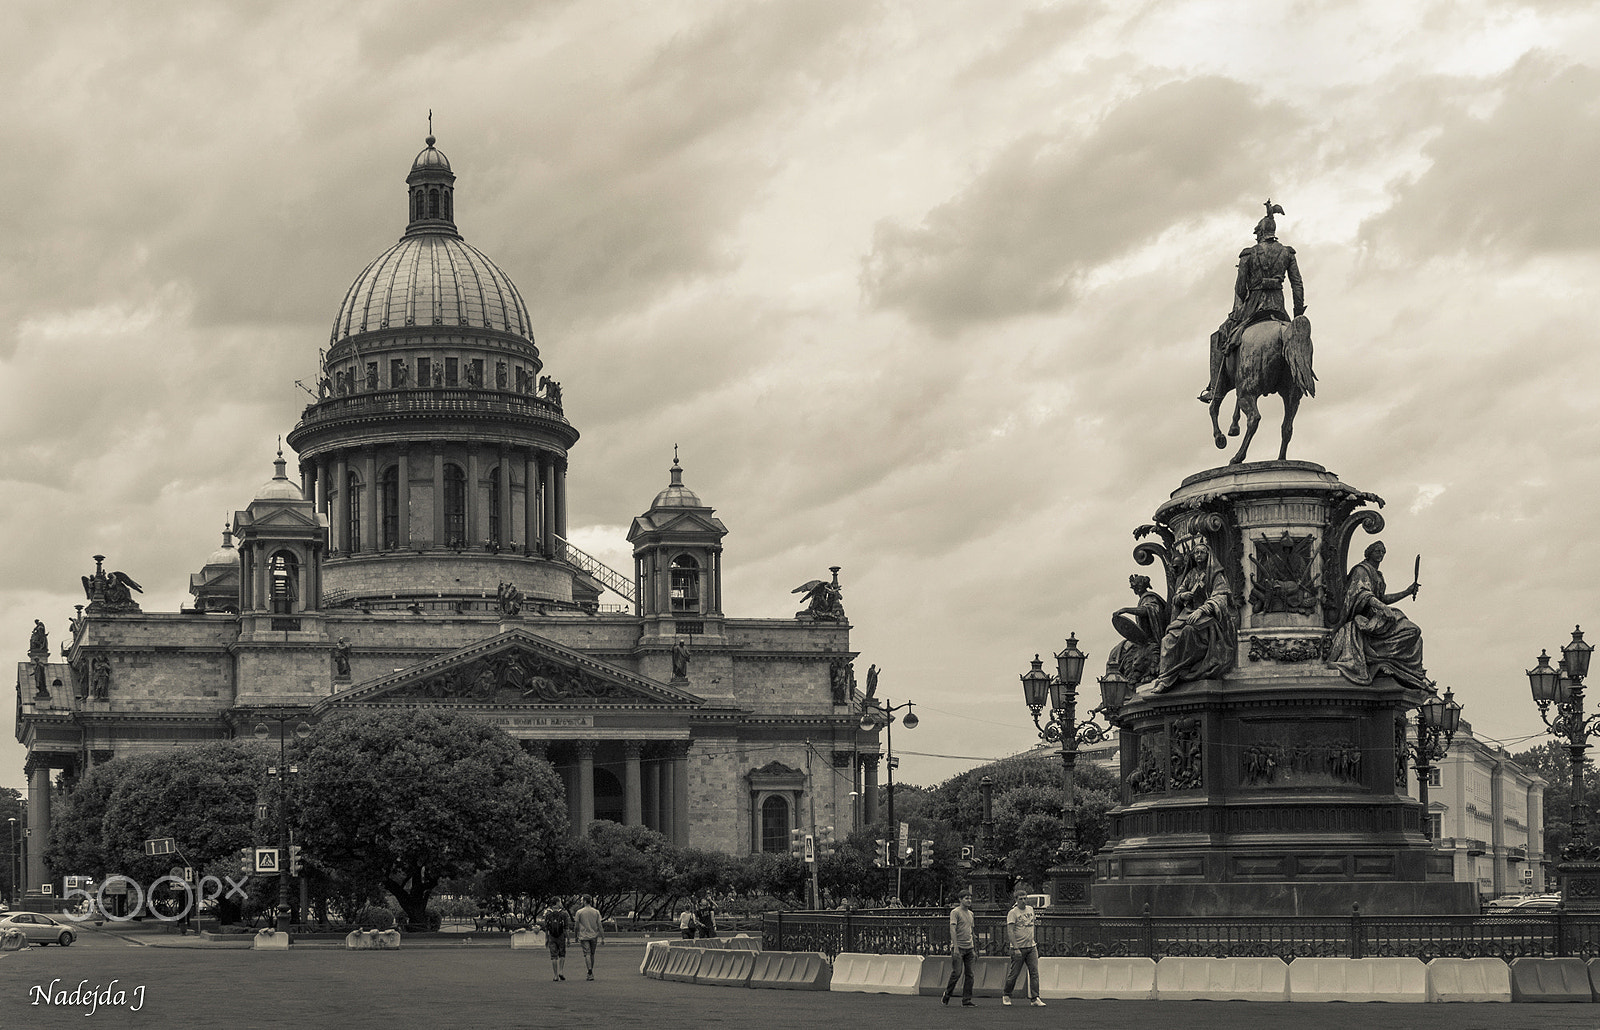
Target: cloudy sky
{"points": [[920, 289]]}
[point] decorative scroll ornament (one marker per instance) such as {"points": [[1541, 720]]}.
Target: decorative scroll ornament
{"points": [[1289, 649]]}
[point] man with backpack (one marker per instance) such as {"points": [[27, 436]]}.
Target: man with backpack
{"points": [[555, 924]]}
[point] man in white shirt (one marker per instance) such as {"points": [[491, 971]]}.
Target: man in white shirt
{"points": [[1024, 949]]}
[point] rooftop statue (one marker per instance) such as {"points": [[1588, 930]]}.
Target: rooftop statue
{"points": [[824, 600], [110, 591], [1259, 349]]}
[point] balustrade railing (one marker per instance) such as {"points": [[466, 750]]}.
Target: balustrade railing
{"points": [[430, 399], [921, 932]]}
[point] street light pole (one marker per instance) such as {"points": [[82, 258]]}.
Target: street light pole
{"points": [[282, 771], [1563, 687], [881, 716], [16, 865], [1062, 727], [1437, 721]]}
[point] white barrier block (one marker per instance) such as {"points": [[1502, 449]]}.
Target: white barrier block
{"points": [[1358, 979], [876, 974], [1222, 979], [13, 940], [521, 939], [270, 940], [1469, 979], [1120, 979], [649, 947]]}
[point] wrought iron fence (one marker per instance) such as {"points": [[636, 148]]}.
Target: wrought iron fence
{"points": [[927, 932]]}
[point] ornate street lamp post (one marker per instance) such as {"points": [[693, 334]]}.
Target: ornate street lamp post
{"points": [[1579, 868], [881, 717], [16, 864], [1061, 726], [282, 771], [1437, 721]]}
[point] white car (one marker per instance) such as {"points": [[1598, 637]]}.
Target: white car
{"points": [[1525, 903], [40, 929]]}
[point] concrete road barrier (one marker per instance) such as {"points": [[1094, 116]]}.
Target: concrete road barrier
{"points": [[876, 974], [372, 940], [743, 942], [728, 968], [651, 949], [682, 964], [1222, 979], [791, 971], [1471, 979], [655, 962], [527, 939], [1550, 979], [13, 940], [1119, 979], [1358, 979], [269, 940]]}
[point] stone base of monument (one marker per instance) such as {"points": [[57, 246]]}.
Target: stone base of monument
{"points": [[1580, 885], [1278, 785], [1070, 889], [989, 888]]}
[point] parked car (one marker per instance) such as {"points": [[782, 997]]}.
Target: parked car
{"points": [[39, 929], [1524, 903]]}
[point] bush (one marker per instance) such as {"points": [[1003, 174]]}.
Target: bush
{"points": [[375, 917]]}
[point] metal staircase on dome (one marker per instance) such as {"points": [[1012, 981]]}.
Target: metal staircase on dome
{"points": [[602, 573]]}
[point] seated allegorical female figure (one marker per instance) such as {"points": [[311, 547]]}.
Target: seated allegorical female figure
{"points": [[1372, 637]]}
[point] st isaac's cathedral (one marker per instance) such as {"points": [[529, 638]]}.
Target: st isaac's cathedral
{"points": [[420, 559]]}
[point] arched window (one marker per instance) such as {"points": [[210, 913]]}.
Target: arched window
{"points": [[455, 506], [433, 203], [352, 488], [494, 507], [389, 499], [283, 568], [775, 824], [685, 584]]}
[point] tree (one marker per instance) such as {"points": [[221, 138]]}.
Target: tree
{"points": [[11, 807], [403, 800], [1551, 761]]}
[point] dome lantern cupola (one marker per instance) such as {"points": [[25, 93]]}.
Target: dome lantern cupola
{"points": [[677, 553], [430, 191]]}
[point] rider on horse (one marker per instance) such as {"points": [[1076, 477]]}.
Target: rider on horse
{"points": [[1257, 292]]}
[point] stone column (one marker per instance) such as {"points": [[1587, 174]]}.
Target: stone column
{"points": [[341, 508], [561, 499], [569, 779], [38, 823], [668, 825], [474, 532], [680, 792], [652, 795], [507, 534], [263, 577], [403, 501], [632, 800], [308, 481], [869, 794], [369, 511], [585, 785], [438, 498], [549, 506], [530, 504]]}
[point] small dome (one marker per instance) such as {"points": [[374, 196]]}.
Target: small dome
{"points": [[278, 488], [430, 158], [676, 495], [227, 554]]}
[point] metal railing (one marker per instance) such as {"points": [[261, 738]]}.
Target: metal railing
{"points": [[921, 932], [590, 565]]}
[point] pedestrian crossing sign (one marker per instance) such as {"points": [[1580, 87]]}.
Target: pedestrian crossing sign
{"points": [[266, 860]]}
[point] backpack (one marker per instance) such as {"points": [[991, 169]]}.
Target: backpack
{"points": [[556, 922]]}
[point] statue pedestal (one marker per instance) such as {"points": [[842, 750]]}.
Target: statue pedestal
{"points": [[1070, 889], [989, 891], [1580, 885], [1280, 786]]}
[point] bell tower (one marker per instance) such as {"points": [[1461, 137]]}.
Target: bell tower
{"points": [[677, 564]]}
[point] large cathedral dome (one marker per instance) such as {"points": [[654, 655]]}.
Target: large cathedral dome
{"points": [[431, 278]]}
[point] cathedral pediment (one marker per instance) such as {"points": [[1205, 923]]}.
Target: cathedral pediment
{"points": [[514, 668]]}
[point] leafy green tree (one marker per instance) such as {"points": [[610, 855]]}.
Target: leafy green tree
{"points": [[11, 807], [1551, 761], [403, 800]]}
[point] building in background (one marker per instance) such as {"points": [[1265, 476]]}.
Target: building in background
{"points": [[419, 559], [1488, 812]]}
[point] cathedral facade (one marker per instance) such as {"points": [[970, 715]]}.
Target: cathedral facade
{"points": [[419, 558]]}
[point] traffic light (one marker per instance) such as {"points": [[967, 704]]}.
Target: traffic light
{"points": [[247, 862], [797, 844], [927, 854], [294, 860], [909, 858], [882, 861]]}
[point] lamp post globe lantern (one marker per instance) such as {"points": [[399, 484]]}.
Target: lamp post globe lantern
{"points": [[1562, 686]]}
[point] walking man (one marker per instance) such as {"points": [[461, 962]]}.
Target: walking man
{"points": [[556, 922], [961, 949], [591, 933], [1024, 949]]}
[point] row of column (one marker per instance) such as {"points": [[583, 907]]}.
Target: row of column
{"points": [[255, 576], [655, 790], [325, 480]]}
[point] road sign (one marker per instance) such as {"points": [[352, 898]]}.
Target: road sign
{"points": [[266, 860], [160, 846], [811, 848], [188, 874], [47, 888]]}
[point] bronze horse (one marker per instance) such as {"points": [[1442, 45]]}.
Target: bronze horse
{"points": [[1272, 357]]}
